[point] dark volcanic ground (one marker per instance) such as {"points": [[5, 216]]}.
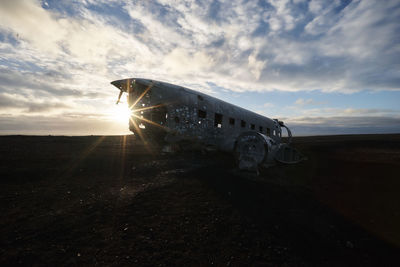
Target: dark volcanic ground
{"points": [[110, 201]]}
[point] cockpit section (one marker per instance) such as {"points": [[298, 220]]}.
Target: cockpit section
{"points": [[148, 117]]}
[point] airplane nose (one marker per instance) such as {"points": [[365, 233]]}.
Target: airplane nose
{"points": [[122, 84], [117, 84]]}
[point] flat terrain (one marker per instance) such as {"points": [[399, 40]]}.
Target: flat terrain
{"points": [[112, 201]]}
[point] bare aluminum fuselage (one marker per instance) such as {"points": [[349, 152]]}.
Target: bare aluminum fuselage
{"points": [[173, 113]]}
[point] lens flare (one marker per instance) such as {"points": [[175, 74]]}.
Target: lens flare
{"points": [[120, 113]]}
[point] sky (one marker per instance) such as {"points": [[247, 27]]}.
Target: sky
{"points": [[323, 67]]}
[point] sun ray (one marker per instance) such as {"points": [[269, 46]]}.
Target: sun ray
{"points": [[146, 108], [151, 122], [141, 136], [128, 81], [141, 96], [134, 117], [83, 155], [137, 130], [122, 156]]}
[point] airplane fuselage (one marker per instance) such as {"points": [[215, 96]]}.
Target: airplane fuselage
{"points": [[167, 113], [178, 113]]}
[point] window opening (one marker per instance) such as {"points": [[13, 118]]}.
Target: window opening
{"points": [[242, 123], [231, 121], [261, 129], [202, 114], [159, 115], [253, 126], [218, 120], [268, 132]]}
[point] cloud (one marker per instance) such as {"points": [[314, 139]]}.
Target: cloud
{"points": [[42, 125], [315, 6], [15, 103], [344, 125], [256, 66], [58, 53], [26, 19], [87, 39], [268, 105], [181, 62], [39, 84], [232, 40], [306, 102], [324, 18], [302, 111]]}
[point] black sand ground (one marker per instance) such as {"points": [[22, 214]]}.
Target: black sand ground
{"points": [[109, 201]]}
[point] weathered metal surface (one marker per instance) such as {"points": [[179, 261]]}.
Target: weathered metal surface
{"points": [[287, 154], [169, 113]]}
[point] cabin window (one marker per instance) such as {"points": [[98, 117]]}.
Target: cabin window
{"points": [[252, 126], [159, 115], [202, 114], [176, 119], [199, 97], [242, 123], [261, 129], [218, 120], [268, 132], [231, 121]]}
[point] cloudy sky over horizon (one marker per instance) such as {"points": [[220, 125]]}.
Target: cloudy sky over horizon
{"points": [[324, 67]]}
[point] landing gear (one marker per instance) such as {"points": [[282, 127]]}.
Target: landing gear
{"points": [[251, 151], [254, 150]]}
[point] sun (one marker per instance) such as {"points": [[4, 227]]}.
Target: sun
{"points": [[121, 113]]}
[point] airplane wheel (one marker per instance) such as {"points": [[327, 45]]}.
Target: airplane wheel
{"points": [[250, 151]]}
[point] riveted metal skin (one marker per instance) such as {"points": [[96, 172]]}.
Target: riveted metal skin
{"points": [[168, 113]]}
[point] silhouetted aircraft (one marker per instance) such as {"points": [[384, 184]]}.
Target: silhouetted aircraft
{"points": [[173, 115]]}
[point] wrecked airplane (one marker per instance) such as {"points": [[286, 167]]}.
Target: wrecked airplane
{"points": [[172, 115]]}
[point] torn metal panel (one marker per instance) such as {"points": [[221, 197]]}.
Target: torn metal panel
{"points": [[167, 113]]}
